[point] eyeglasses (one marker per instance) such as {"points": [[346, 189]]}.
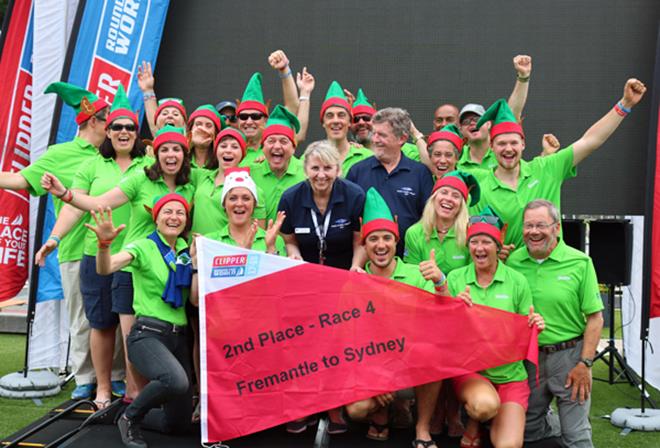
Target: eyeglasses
{"points": [[470, 120], [165, 100], [104, 118], [255, 116], [119, 127], [231, 118], [493, 220], [539, 226], [365, 118]]}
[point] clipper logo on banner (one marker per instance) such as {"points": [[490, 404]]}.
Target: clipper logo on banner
{"points": [[16, 126]]}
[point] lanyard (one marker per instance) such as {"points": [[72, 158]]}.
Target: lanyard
{"points": [[321, 236]]}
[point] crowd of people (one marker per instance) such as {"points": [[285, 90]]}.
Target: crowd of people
{"points": [[455, 212]]}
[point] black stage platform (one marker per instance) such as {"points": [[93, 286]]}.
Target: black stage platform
{"points": [[76, 425]]}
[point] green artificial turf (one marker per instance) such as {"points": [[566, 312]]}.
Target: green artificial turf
{"points": [[15, 414]]}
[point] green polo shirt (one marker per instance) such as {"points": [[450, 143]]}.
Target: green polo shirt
{"points": [[354, 156], [259, 243], [62, 160], [541, 178], [98, 176], [141, 192], [208, 214], [509, 291], [272, 186], [465, 162], [408, 274], [411, 151], [250, 155], [564, 289], [149, 279], [448, 255]]}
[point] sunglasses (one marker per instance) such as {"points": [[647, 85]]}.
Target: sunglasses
{"points": [[365, 118], [493, 220], [119, 127], [232, 118], [164, 100], [255, 116]]}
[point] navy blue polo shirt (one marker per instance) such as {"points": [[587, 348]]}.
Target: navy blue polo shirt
{"points": [[345, 206], [406, 189]]}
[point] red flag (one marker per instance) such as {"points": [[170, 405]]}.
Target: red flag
{"points": [[288, 339]]}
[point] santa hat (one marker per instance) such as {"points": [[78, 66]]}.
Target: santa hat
{"points": [[235, 134], [208, 111], [504, 122], [121, 108], [449, 133], [335, 97], [170, 134], [377, 215], [160, 201], [177, 103], [486, 223], [83, 101], [464, 182], [361, 105], [253, 96], [238, 177], [281, 122]]}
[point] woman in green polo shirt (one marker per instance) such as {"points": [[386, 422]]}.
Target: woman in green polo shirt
{"points": [[499, 393], [163, 274], [203, 126]]}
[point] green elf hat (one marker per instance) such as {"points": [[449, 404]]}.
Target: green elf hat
{"points": [[121, 108], [208, 111], [377, 215], [335, 97], [464, 182], [83, 101], [281, 122], [449, 133], [253, 96], [361, 105], [176, 103], [504, 122], [168, 134], [487, 223]]}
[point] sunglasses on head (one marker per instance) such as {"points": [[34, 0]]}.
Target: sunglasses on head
{"points": [[176, 100], [493, 220], [231, 118], [255, 116], [365, 118], [119, 127]]}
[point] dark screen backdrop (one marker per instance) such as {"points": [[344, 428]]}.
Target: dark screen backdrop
{"points": [[419, 54]]}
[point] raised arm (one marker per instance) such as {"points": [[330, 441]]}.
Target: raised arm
{"points": [[106, 232], [600, 131], [67, 218], [146, 82], [422, 147], [306, 83], [280, 62], [12, 181], [523, 66], [113, 198]]}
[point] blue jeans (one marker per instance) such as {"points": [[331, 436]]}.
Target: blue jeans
{"points": [[161, 356]]}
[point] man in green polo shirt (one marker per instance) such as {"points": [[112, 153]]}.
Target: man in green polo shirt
{"points": [[280, 170], [565, 292], [516, 182], [64, 160]]}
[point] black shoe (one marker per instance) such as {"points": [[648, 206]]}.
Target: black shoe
{"points": [[130, 433]]}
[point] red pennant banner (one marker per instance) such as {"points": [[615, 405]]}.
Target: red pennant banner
{"points": [[285, 342]]}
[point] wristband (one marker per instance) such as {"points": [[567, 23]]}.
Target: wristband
{"points": [[194, 271], [67, 196], [416, 139], [285, 74], [104, 244], [620, 109], [440, 283], [303, 98], [521, 79], [148, 95], [55, 238]]}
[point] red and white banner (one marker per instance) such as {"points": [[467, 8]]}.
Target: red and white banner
{"points": [[15, 135], [283, 339]]}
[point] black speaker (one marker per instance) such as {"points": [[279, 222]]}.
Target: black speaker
{"points": [[610, 247], [574, 233]]}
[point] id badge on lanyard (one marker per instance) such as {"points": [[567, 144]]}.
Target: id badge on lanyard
{"points": [[321, 233]]}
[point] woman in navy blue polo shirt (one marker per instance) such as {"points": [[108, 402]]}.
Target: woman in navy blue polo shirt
{"points": [[322, 226]]}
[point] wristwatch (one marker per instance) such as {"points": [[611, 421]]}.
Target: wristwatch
{"points": [[587, 362]]}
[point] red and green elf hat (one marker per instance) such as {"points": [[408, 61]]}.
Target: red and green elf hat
{"points": [[253, 96], [236, 135], [160, 201], [377, 215], [449, 133], [281, 122], [177, 103], [121, 108], [361, 105], [173, 134], [335, 97], [504, 122], [486, 223], [208, 111], [464, 182], [83, 101]]}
